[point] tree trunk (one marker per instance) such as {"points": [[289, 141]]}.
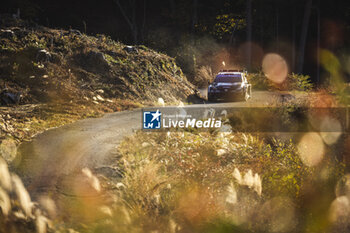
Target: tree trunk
{"points": [[277, 26], [172, 7], [134, 24], [318, 43], [303, 37], [261, 10], [195, 14], [130, 20], [293, 38], [249, 33]]}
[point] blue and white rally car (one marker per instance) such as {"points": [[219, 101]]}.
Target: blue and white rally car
{"points": [[229, 85]]}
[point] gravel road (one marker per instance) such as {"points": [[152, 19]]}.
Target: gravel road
{"points": [[91, 143]]}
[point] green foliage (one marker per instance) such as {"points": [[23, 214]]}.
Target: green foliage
{"points": [[287, 118], [293, 82], [110, 59], [32, 40], [162, 169], [226, 24], [259, 81], [299, 82], [285, 173]]}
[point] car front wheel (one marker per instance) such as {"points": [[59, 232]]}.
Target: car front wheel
{"points": [[211, 98]]}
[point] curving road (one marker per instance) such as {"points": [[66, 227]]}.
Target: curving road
{"points": [[91, 143]]}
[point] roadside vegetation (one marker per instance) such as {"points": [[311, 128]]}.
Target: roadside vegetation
{"points": [[231, 181], [51, 77], [163, 182], [219, 182], [197, 182], [293, 82]]}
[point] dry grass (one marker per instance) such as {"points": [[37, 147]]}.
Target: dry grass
{"points": [[185, 182], [195, 182], [83, 76], [203, 76], [18, 213]]}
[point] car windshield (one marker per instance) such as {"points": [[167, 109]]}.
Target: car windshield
{"points": [[228, 78]]}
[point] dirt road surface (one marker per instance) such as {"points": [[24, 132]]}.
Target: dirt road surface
{"points": [[90, 143]]}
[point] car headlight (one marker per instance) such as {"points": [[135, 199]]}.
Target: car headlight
{"points": [[212, 88]]}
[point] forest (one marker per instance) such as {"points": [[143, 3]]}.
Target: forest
{"points": [[206, 32], [94, 96]]}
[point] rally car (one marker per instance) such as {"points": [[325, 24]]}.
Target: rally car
{"points": [[229, 85]]}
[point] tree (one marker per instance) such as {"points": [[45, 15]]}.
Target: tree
{"points": [[303, 37], [293, 36], [249, 32], [131, 20], [195, 14], [172, 7]]}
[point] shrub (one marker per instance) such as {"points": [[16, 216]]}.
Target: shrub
{"points": [[293, 81], [299, 82], [203, 76], [195, 180], [259, 81]]}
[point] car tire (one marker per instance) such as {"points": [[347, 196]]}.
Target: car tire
{"points": [[211, 98], [241, 97]]}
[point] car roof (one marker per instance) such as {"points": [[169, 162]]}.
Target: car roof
{"points": [[229, 73]]}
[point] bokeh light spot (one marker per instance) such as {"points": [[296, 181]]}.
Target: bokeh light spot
{"points": [[275, 68], [330, 130], [311, 149]]}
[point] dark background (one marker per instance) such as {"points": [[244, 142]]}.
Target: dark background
{"points": [[205, 32]]}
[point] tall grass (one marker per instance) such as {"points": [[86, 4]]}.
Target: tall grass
{"points": [[219, 182], [18, 213]]}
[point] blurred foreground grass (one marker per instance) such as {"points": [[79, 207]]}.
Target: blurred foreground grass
{"points": [[196, 182], [221, 182]]}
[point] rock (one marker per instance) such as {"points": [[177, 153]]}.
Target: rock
{"points": [[72, 32], [7, 34], [9, 98], [96, 59], [100, 91], [75, 32], [43, 56], [161, 102], [55, 58], [287, 98], [113, 54], [130, 49], [195, 99], [109, 171], [20, 32], [100, 98], [220, 152]]}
